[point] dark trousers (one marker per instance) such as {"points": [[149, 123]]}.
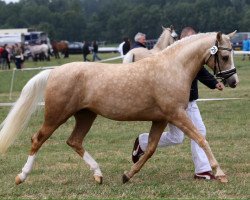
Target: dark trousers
{"points": [[85, 57], [18, 63]]}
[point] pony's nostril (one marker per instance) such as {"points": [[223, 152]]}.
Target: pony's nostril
{"points": [[233, 84]]}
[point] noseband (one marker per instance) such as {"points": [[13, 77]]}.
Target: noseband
{"points": [[223, 75]]}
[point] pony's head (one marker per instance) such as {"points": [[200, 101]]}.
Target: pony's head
{"points": [[221, 59], [169, 35]]}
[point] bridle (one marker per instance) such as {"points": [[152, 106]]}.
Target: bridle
{"points": [[225, 74]]}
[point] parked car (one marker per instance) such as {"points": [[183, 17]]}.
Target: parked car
{"points": [[75, 47], [238, 38]]}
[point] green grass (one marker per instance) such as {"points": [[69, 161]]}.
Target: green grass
{"points": [[59, 173]]}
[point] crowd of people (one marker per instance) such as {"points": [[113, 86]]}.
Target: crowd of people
{"points": [[11, 54]]}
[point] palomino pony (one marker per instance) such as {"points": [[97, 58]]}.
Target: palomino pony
{"points": [[153, 89], [167, 38]]}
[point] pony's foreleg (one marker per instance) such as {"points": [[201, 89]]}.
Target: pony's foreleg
{"points": [[186, 125], [84, 121], [157, 129], [47, 56], [93, 166]]}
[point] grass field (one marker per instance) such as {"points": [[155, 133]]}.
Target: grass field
{"points": [[59, 173]]}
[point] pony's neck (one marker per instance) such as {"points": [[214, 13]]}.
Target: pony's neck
{"points": [[197, 54], [192, 53], [163, 41]]}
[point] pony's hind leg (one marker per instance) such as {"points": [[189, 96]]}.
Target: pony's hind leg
{"points": [[53, 119], [84, 121], [37, 140]]}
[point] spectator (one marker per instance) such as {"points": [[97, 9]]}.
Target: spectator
{"points": [[18, 56], [95, 51], [140, 40], [1, 51], [245, 46], [125, 46], [120, 48], [85, 51], [5, 57]]}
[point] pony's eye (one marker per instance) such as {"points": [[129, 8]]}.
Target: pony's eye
{"points": [[225, 58]]}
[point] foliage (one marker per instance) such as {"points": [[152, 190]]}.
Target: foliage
{"points": [[111, 20]]}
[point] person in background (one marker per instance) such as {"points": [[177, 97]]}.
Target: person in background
{"points": [[85, 51], [140, 40], [126, 46], [95, 51], [175, 136], [120, 48], [5, 57], [18, 56], [245, 46], [1, 51]]}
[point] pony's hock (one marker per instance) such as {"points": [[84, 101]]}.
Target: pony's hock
{"points": [[141, 91]]}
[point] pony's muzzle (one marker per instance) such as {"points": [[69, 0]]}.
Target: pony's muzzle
{"points": [[233, 81]]}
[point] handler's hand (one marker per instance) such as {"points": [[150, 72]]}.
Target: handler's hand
{"points": [[220, 86]]}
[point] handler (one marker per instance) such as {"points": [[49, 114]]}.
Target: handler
{"points": [[175, 136]]}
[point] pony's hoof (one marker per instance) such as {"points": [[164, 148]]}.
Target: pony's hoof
{"points": [[18, 180], [98, 179], [125, 178], [222, 179]]}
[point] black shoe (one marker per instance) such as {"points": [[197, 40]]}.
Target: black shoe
{"points": [[205, 176], [137, 151]]}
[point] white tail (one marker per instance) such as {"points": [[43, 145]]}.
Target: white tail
{"points": [[128, 58], [20, 113]]}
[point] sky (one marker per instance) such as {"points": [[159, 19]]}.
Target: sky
{"points": [[8, 1]]}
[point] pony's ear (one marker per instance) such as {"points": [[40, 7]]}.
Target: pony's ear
{"points": [[219, 36], [171, 27], [231, 35], [163, 28]]}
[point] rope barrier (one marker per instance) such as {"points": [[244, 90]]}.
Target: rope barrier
{"points": [[220, 99], [241, 52], [101, 61], [212, 99]]}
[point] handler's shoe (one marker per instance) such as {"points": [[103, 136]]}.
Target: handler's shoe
{"points": [[205, 176], [137, 151]]}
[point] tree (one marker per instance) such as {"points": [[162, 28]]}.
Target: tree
{"points": [[111, 20]]}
